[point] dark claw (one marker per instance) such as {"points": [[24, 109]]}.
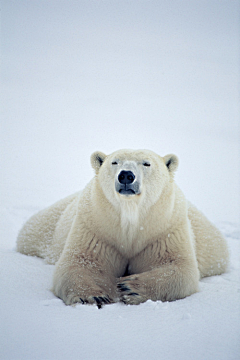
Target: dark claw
{"points": [[97, 300], [100, 300], [104, 300], [81, 300], [134, 294], [107, 301], [123, 287], [99, 304]]}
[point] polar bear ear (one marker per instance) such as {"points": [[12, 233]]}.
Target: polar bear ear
{"points": [[97, 159], [171, 162]]}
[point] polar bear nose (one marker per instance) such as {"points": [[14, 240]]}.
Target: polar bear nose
{"points": [[126, 177]]}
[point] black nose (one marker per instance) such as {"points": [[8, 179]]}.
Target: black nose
{"points": [[126, 177]]}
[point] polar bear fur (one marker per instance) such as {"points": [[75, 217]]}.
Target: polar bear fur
{"points": [[128, 240]]}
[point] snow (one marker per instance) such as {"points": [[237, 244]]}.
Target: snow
{"points": [[102, 75]]}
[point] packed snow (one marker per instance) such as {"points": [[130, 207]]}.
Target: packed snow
{"points": [[103, 75]]}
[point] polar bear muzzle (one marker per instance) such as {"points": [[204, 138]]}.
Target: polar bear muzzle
{"points": [[126, 183]]}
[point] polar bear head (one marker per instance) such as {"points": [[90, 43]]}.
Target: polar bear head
{"points": [[133, 176]]}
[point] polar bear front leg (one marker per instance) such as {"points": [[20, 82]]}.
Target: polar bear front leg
{"points": [[167, 283], [164, 275], [88, 274]]}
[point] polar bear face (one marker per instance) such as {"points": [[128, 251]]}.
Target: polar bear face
{"points": [[137, 176]]}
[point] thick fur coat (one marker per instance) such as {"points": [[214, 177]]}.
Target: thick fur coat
{"points": [[130, 235]]}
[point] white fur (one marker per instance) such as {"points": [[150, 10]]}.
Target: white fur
{"points": [[160, 241], [129, 222]]}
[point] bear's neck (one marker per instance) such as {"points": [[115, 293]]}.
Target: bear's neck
{"points": [[129, 213], [130, 225]]}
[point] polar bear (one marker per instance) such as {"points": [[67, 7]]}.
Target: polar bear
{"points": [[129, 236]]}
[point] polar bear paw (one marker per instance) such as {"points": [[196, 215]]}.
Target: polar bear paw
{"points": [[97, 300], [94, 300], [130, 291]]}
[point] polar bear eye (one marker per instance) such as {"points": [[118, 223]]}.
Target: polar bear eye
{"points": [[146, 164], [114, 163]]}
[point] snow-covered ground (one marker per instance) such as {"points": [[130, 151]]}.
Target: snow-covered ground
{"points": [[102, 75]]}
